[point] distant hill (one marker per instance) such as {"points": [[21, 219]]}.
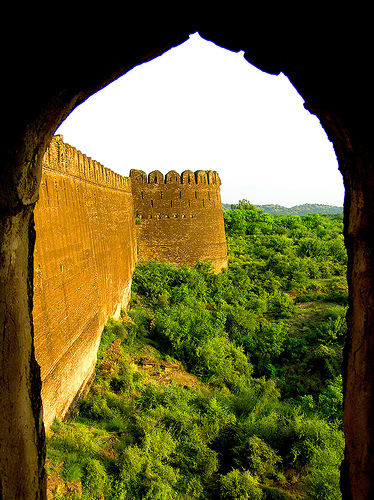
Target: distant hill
{"points": [[307, 208]]}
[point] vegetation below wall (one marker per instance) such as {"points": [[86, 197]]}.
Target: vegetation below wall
{"points": [[219, 386]]}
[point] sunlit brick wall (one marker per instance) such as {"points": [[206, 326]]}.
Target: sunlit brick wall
{"points": [[83, 263], [179, 218]]}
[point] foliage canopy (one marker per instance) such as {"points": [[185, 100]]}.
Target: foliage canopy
{"points": [[220, 386]]}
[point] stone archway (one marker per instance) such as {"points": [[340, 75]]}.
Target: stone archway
{"points": [[44, 83]]}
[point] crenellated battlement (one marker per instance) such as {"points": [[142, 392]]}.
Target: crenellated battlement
{"points": [[66, 159], [179, 216], [200, 177]]}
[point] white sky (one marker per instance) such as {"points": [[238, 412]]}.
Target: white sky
{"points": [[201, 107]]}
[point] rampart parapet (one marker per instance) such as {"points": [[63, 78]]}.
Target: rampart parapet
{"points": [[172, 176], [188, 177], [179, 217], [66, 159], [210, 177], [156, 177]]}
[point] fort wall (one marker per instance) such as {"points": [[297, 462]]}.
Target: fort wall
{"points": [[91, 226], [83, 263], [179, 218]]}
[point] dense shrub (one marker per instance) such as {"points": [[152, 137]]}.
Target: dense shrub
{"points": [[258, 415]]}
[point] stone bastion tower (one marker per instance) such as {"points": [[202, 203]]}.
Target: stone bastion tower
{"points": [[179, 218]]}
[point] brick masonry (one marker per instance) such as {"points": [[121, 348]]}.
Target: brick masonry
{"points": [[92, 225], [179, 218]]}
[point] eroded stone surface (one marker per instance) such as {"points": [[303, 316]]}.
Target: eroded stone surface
{"points": [[21, 427]]}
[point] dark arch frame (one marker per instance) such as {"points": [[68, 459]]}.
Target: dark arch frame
{"points": [[325, 60]]}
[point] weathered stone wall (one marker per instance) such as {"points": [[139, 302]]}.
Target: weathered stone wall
{"points": [[179, 218], [86, 249], [83, 263]]}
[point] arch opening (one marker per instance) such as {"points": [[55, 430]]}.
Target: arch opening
{"points": [[157, 177], [318, 78], [204, 106]]}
